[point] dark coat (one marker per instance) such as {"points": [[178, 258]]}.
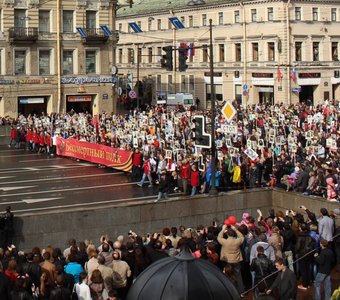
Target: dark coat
{"points": [[4, 287], [286, 285], [60, 293], [325, 261], [301, 182], [262, 266]]}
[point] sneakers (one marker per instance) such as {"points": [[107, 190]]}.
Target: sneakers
{"points": [[156, 200], [139, 184], [301, 287], [150, 185]]}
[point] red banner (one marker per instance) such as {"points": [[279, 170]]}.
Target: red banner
{"points": [[99, 154]]}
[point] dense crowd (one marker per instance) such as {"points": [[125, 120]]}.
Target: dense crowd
{"points": [[292, 147], [303, 246]]}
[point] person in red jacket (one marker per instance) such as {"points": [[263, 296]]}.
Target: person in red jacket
{"points": [[48, 141], [147, 168], [35, 140], [13, 136], [185, 175], [194, 179], [137, 163], [41, 142], [29, 139]]}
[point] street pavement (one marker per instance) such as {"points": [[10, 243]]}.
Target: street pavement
{"points": [[31, 183]]}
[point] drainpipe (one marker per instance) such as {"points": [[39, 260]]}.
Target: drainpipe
{"points": [[288, 52], [58, 57]]}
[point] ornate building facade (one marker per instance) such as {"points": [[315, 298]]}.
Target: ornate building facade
{"points": [[54, 56], [263, 51]]}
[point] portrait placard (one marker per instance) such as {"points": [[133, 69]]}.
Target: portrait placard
{"points": [[168, 154], [251, 153]]}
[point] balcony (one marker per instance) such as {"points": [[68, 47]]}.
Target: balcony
{"points": [[94, 36], [23, 34]]}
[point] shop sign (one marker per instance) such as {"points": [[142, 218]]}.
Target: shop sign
{"points": [[296, 90], [88, 79], [309, 75], [28, 81], [4, 81], [31, 100], [265, 89], [262, 75], [216, 74], [105, 97], [79, 98]]}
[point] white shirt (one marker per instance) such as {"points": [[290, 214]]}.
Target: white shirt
{"points": [[83, 291]]}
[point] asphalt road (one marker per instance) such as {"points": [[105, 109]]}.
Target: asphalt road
{"points": [[31, 183]]}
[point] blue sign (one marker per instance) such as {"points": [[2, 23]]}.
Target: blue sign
{"points": [[81, 31], [135, 27], [245, 86], [106, 29], [296, 90], [176, 22]]}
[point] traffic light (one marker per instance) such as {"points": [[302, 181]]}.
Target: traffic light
{"points": [[166, 61], [182, 58], [201, 138]]}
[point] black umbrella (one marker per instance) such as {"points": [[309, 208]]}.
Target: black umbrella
{"points": [[182, 278]]}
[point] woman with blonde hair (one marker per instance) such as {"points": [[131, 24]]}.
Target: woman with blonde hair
{"points": [[276, 240]]}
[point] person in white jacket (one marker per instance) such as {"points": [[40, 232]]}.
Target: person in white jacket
{"points": [[82, 289]]}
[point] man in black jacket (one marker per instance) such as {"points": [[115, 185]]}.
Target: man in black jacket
{"points": [[4, 285], [60, 292], [262, 266], [325, 262], [285, 282]]}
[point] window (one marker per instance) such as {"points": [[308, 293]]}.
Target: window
{"points": [[270, 13], [191, 83], [204, 20], [170, 85], [20, 18], [91, 17], [238, 54], [335, 51], [131, 56], [298, 49], [183, 84], [44, 62], [159, 83], [297, 13], [237, 16], [253, 15], [183, 20], [220, 18], [316, 51], [333, 14], [139, 23], [271, 51], [20, 62], [120, 27], [205, 55], [255, 51], [90, 62], [68, 62], [315, 14], [159, 51], [68, 21], [159, 24], [120, 56], [150, 23], [191, 21], [44, 21], [150, 55], [221, 52]]}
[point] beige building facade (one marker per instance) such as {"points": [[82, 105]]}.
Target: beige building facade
{"points": [[263, 51], [54, 56]]}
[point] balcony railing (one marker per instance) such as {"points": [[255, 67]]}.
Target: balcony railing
{"points": [[23, 34], [94, 35]]}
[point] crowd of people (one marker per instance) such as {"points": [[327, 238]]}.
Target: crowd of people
{"points": [[293, 147], [265, 256]]}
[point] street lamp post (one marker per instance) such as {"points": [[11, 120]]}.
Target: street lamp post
{"points": [[213, 190]]}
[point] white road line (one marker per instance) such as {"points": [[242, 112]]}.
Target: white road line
{"points": [[12, 150], [13, 188], [32, 160], [6, 177], [29, 201], [50, 191], [76, 205], [58, 178], [49, 168], [41, 166], [7, 156]]}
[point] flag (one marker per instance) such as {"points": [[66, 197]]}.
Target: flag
{"points": [[279, 75], [293, 74], [191, 50]]}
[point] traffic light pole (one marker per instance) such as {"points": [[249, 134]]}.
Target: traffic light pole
{"points": [[174, 59], [213, 190]]}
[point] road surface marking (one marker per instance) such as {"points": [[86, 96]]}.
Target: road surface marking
{"points": [[20, 155], [6, 177], [69, 189], [58, 178], [48, 168], [13, 188], [32, 160], [29, 201]]}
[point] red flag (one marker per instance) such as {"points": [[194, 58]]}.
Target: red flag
{"points": [[279, 75]]}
